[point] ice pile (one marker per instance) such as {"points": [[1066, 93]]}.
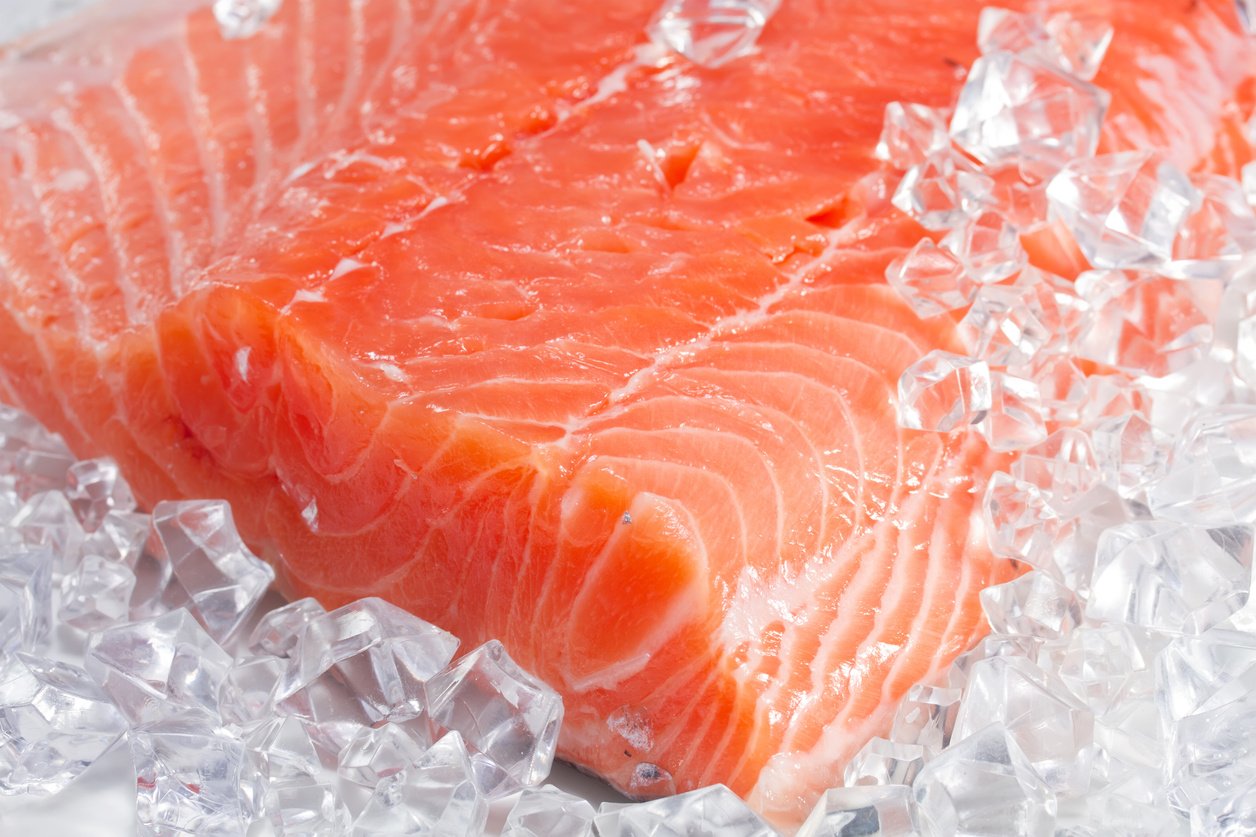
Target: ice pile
{"points": [[1116, 693]]}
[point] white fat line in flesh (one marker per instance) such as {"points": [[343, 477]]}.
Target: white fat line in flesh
{"points": [[208, 148]]}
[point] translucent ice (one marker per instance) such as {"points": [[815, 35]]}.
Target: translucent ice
{"points": [[1074, 44], [55, 722], [306, 808], [1007, 325], [94, 488], [943, 392], [884, 811], [941, 191], [243, 18], [380, 751], [223, 579], [926, 717], [1062, 467], [882, 762], [1211, 477], [247, 691], [188, 777], [1212, 753], [713, 810], [1033, 605], [159, 667], [1214, 238], [437, 796], [96, 593], [503, 711], [1129, 452], [46, 520], [1102, 664], [988, 246], [1201, 673], [1124, 209], [278, 750], [911, 134], [1015, 420], [932, 279], [547, 811], [25, 599], [711, 32], [1018, 107], [984, 785], [1230, 813], [277, 632]]}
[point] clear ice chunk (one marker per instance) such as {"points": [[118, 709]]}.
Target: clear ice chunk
{"points": [[437, 796], [1124, 209], [546, 811], [247, 690], [243, 18], [884, 811], [941, 192], [1129, 452], [368, 654], [1034, 605], [120, 537], [984, 785], [988, 246], [713, 810], [1074, 44], [1015, 420], [711, 32], [932, 279], [503, 711], [188, 776], [46, 520], [277, 632], [159, 667], [1230, 813], [279, 749], [911, 134], [1019, 522], [1101, 666], [1214, 238], [1201, 673], [1063, 468], [94, 488], [882, 762], [1006, 325], [926, 717], [223, 579], [1016, 107], [25, 599], [1154, 574], [306, 808], [1212, 753], [943, 392], [96, 593], [55, 722], [1211, 477], [382, 750]]}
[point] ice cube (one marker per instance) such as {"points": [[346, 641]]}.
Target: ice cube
{"points": [[882, 762], [382, 750], [306, 808], [25, 599], [1212, 753], [1230, 814], [436, 796], [1062, 468], [1006, 325], [988, 246], [370, 653], [94, 488], [1129, 453], [188, 776], [546, 811], [884, 811], [1214, 238], [47, 520], [932, 279], [1074, 44], [120, 537], [1033, 605], [223, 579], [278, 750], [1212, 471], [941, 191], [503, 711], [159, 667], [713, 810], [1101, 664], [1124, 209], [97, 593], [243, 18], [247, 690], [711, 32], [55, 722], [277, 632], [927, 717], [1019, 522], [984, 785], [1155, 574], [943, 392], [911, 134], [1201, 673], [1015, 419], [1015, 107]]}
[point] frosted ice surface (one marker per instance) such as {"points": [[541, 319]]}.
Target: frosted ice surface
{"points": [[984, 785], [188, 776], [437, 796], [1124, 209], [926, 716], [278, 631], [911, 134], [159, 667], [546, 811], [243, 18], [943, 392], [932, 279], [25, 599], [94, 488], [503, 712], [711, 32], [369, 651], [55, 722], [1155, 574], [713, 811], [884, 811], [1034, 605], [882, 762], [97, 593], [1018, 107], [223, 579]]}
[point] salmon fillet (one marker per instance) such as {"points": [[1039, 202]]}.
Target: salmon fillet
{"points": [[484, 308]]}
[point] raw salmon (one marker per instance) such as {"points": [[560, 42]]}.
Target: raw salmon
{"points": [[487, 308]]}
